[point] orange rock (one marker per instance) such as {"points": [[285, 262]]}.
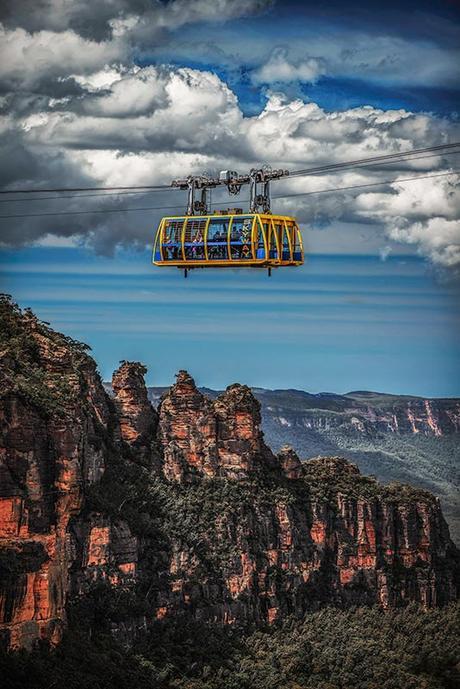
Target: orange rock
{"points": [[10, 516], [272, 615], [318, 532], [98, 546]]}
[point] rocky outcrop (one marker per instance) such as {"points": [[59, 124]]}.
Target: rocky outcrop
{"points": [[386, 546], [200, 437], [241, 449], [290, 462], [187, 511], [187, 431], [53, 416], [138, 420]]}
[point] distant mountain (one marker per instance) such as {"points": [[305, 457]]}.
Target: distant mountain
{"points": [[395, 437]]}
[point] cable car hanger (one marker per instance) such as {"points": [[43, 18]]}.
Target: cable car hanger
{"points": [[258, 179], [228, 238]]}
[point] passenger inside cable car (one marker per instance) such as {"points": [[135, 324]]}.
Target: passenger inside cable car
{"points": [[217, 238]]}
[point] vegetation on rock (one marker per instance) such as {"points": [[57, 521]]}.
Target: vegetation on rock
{"points": [[329, 649]]}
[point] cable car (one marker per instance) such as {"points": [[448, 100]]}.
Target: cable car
{"points": [[231, 238]]}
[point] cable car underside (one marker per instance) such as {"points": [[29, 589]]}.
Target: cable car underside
{"points": [[228, 239]]}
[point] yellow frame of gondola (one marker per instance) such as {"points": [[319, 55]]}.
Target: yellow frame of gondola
{"points": [[288, 224]]}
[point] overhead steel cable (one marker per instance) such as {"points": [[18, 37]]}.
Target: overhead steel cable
{"points": [[158, 187], [401, 157], [371, 184], [148, 191], [397, 157], [282, 196], [87, 196]]}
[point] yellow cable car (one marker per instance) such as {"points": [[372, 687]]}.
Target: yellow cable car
{"points": [[231, 238], [228, 239]]}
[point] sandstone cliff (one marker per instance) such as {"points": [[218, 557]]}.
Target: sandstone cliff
{"points": [[184, 511]]}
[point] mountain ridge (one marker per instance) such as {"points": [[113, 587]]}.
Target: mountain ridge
{"points": [[137, 516], [429, 459]]}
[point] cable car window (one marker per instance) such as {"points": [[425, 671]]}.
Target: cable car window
{"points": [[172, 240], [273, 248], [194, 239], [286, 248], [297, 255], [260, 244], [241, 239], [218, 238]]}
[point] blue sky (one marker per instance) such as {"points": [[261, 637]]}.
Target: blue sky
{"points": [[338, 323], [138, 93], [387, 54]]}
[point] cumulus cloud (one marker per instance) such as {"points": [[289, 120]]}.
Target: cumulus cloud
{"points": [[437, 238], [102, 20], [425, 213], [82, 114], [278, 69], [27, 60], [42, 40], [146, 110]]}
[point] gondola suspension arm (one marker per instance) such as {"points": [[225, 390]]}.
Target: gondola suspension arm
{"points": [[258, 179]]}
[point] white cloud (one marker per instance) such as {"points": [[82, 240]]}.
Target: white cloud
{"points": [[436, 237], [58, 38], [278, 69], [424, 213], [423, 198], [26, 58], [57, 241], [85, 114], [130, 94], [162, 110], [97, 81]]}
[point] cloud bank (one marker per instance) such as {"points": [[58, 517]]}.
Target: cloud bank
{"points": [[77, 111]]}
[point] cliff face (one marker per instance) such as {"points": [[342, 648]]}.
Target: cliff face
{"points": [[366, 414], [185, 511], [53, 415]]}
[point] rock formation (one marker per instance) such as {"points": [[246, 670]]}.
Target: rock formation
{"points": [[138, 420], [53, 415], [289, 462], [186, 509]]}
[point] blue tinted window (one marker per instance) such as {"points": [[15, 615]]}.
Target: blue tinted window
{"points": [[241, 238], [218, 238], [194, 239], [172, 238], [286, 247], [272, 244]]}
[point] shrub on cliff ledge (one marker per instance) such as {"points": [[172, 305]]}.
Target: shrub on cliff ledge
{"points": [[22, 370]]}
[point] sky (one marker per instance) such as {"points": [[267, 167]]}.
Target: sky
{"points": [[339, 323], [138, 92]]}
